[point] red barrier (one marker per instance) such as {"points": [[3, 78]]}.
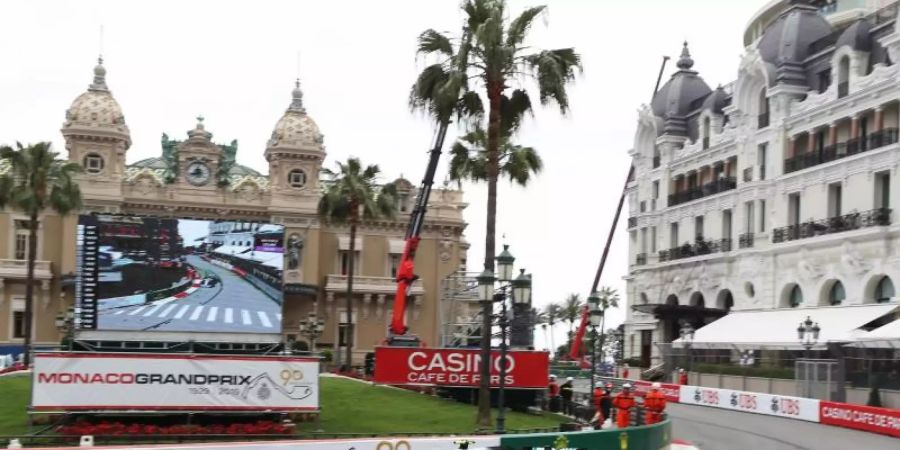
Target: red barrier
{"points": [[457, 367], [866, 418], [671, 391]]}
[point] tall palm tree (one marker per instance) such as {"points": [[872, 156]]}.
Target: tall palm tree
{"points": [[351, 195], [571, 311], [469, 159], [36, 181], [548, 318], [609, 298]]}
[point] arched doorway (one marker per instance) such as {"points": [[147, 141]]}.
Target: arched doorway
{"points": [[836, 294], [725, 301], [672, 300], [697, 300], [884, 290]]}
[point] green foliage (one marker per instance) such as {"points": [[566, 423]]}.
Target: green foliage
{"points": [[571, 310], [14, 392], [37, 180], [352, 193], [468, 159], [327, 355]]}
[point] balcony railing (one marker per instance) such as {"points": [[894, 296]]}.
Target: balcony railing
{"points": [[698, 248], [762, 120], [632, 222], [641, 259], [830, 153], [656, 161], [853, 221], [368, 284], [694, 193], [745, 240], [843, 89]]}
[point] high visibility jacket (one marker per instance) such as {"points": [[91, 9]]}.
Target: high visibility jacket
{"points": [[553, 388], [655, 404], [623, 403]]}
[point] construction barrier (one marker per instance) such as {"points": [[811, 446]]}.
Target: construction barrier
{"points": [[647, 437]]}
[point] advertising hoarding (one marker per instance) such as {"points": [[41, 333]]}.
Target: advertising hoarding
{"points": [[866, 418], [755, 402], [458, 367], [173, 382], [671, 391], [178, 275]]}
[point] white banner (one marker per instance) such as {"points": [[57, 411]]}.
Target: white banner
{"points": [[755, 402], [173, 382]]}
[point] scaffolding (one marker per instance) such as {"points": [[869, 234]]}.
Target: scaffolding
{"points": [[460, 310]]}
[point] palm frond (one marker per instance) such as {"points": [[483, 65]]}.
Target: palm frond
{"points": [[520, 163], [513, 109], [553, 69], [519, 26], [431, 41]]}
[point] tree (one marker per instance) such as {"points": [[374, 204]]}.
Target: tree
{"points": [[352, 195], [36, 181], [571, 311], [609, 298], [548, 318], [492, 51], [469, 159]]}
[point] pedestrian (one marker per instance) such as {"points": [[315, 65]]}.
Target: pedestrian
{"points": [[654, 404], [567, 390], [625, 371], [623, 402], [553, 394], [682, 377], [606, 401]]}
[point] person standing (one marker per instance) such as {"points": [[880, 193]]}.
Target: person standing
{"points": [[655, 404], [553, 393], [625, 371], [623, 402], [682, 377], [567, 390], [606, 401]]}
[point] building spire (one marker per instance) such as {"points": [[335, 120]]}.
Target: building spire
{"points": [[297, 99], [99, 83], [685, 62]]}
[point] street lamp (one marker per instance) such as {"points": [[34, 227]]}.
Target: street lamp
{"points": [[521, 295], [687, 337], [312, 329], [808, 333], [596, 317]]}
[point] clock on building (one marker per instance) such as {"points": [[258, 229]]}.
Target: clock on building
{"points": [[197, 173]]}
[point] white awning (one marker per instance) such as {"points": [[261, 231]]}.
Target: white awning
{"points": [[344, 243], [888, 331], [778, 327], [396, 246]]}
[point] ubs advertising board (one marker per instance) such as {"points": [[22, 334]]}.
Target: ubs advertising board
{"points": [[458, 367], [754, 402], [168, 382]]}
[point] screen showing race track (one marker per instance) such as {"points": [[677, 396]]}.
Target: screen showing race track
{"points": [[140, 273]]}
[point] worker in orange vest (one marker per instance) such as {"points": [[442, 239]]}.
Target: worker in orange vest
{"points": [[623, 402], [654, 404]]}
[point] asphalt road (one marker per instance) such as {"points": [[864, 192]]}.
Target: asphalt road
{"points": [[715, 429], [233, 306]]}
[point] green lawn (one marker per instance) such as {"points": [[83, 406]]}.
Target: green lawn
{"points": [[347, 407], [14, 393]]}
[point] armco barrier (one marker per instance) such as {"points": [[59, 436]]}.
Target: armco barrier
{"points": [[647, 437], [865, 418], [772, 405]]}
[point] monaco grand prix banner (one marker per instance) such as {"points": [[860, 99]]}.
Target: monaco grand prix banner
{"points": [[458, 367], [173, 382], [755, 402]]}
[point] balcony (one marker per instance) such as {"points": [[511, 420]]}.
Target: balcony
{"points": [[853, 221], [843, 89], [699, 248], [762, 120], [632, 222], [641, 259], [18, 269], [745, 240], [721, 185], [748, 174], [852, 147], [368, 285]]}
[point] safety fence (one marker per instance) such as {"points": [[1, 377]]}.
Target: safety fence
{"points": [[859, 417]]}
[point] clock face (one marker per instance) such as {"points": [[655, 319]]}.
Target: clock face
{"points": [[197, 173]]}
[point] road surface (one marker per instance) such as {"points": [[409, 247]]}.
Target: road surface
{"points": [[233, 306]]}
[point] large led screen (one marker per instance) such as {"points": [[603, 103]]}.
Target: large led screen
{"points": [[178, 275]]}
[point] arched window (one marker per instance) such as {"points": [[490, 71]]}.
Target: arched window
{"points": [[672, 300], [725, 300], [796, 297], [706, 133], [836, 294], [644, 299], [884, 291], [763, 117], [843, 76], [697, 300]]}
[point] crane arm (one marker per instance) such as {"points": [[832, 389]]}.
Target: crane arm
{"points": [[575, 351], [406, 272]]}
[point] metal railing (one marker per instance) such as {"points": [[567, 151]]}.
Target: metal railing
{"points": [[699, 248], [831, 225], [721, 185], [745, 240], [840, 150]]}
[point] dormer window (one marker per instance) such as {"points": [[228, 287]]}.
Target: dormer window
{"points": [[843, 77], [763, 117]]}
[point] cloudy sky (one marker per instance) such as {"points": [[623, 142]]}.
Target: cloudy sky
{"points": [[235, 63]]}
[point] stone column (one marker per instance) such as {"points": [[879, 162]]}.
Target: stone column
{"points": [[832, 133], [879, 119], [854, 126], [811, 142]]}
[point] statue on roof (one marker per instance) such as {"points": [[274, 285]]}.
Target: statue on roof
{"points": [[170, 158], [226, 162]]}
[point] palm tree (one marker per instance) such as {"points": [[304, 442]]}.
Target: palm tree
{"points": [[571, 311], [609, 298], [469, 159], [352, 195], [35, 182], [548, 318]]}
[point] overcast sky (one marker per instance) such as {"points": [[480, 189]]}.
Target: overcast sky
{"points": [[235, 63]]}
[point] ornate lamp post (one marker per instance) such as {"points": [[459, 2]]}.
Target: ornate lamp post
{"points": [[687, 337], [312, 329], [596, 317], [808, 333]]}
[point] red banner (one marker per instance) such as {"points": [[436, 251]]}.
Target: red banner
{"points": [[458, 367], [671, 391], [866, 418]]}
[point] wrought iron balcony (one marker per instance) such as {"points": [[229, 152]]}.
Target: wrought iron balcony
{"points": [[641, 259], [721, 185], [745, 240], [830, 153], [762, 120], [853, 221], [698, 248]]}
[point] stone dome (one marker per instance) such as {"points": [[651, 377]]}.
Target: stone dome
{"points": [[786, 43], [96, 107], [716, 101], [296, 129], [677, 97]]}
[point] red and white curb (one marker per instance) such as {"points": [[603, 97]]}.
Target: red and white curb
{"points": [[678, 444]]}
